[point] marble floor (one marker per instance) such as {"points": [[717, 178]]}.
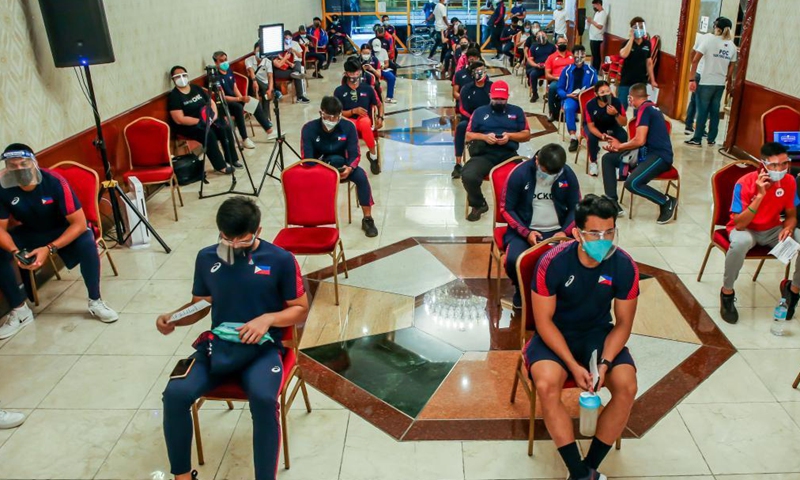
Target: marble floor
{"points": [[93, 394]]}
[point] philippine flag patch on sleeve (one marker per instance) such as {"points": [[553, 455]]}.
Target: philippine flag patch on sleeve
{"points": [[604, 280], [262, 270]]}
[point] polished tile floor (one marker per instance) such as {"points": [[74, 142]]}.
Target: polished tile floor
{"points": [[93, 393]]}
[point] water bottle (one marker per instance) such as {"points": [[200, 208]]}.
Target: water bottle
{"points": [[779, 319], [590, 404]]}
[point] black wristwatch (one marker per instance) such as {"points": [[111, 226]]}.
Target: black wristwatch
{"points": [[605, 362], [53, 249]]}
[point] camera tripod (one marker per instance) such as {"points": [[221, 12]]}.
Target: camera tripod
{"points": [[276, 157]]}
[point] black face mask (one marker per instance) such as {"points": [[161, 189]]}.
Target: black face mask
{"points": [[463, 47], [605, 98], [24, 176], [562, 48], [498, 107]]}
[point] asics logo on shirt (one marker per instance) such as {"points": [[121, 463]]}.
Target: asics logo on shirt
{"points": [[527, 185], [486, 117], [276, 369], [570, 280], [215, 267], [15, 201], [317, 140]]}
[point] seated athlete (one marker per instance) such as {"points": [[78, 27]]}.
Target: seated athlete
{"points": [[51, 221], [474, 94], [237, 99], [574, 287], [334, 142], [539, 203], [574, 78], [605, 115]]}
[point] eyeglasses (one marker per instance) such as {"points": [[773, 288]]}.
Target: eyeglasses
{"points": [[595, 235], [331, 118], [776, 166], [236, 243], [179, 75]]}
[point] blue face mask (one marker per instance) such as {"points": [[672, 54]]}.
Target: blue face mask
{"points": [[224, 66], [638, 33], [599, 250]]}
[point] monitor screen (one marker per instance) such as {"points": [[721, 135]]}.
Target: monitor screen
{"points": [[790, 140], [271, 39]]}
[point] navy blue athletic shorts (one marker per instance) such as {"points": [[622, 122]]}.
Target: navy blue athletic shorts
{"points": [[581, 348]]}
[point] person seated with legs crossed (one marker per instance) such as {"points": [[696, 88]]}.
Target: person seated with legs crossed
{"points": [[539, 203], [330, 140], [575, 79], [759, 200], [574, 287], [605, 115]]}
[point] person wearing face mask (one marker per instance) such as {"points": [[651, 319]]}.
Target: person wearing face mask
{"points": [[539, 203], [337, 36], [494, 133], [497, 24], [464, 59], [574, 79], [605, 115], [759, 200], [521, 39], [309, 50], [370, 68], [262, 83], [194, 116], [518, 10], [555, 64], [335, 142], [638, 66], [507, 39], [235, 99], [450, 42], [381, 63], [642, 158], [259, 286], [574, 288], [50, 221], [321, 36], [358, 102], [536, 56], [597, 30], [473, 94], [288, 66], [719, 54], [560, 21]]}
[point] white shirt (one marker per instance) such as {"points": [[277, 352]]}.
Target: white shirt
{"points": [[697, 42], [381, 55], [595, 33], [718, 54], [544, 218], [262, 67], [560, 21], [439, 12]]}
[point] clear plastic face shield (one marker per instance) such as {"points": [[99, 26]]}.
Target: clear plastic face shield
{"points": [[639, 30], [599, 245], [19, 169], [230, 250]]}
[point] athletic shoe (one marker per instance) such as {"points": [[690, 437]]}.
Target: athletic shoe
{"points": [[303, 100], [456, 171], [10, 419], [248, 144], [517, 300], [475, 213], [297, 75], [272, 135], [667, 211], [103, 312], [325, 67], [391, 100], [593, 169], [688, 130], [534, 98], [693, 142], [374, 165], [16, 320], [711, 144], [573, 144], [620, 210], [552, 119], [791, 297], [593, 475], [237, 164], [727, 308], [317, 75], [225, 171], [368, 225]]}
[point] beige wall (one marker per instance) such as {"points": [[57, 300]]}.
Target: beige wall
{"points": [[775, 32], [662, 18], [42, 105]]}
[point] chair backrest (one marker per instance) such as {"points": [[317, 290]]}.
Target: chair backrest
{"points": [[310, 188], [722, 183], [584, 98], [655, 49], [86, 184], [242, 83], [498, 177], [779, 119], [526, 268], [147, 139]]}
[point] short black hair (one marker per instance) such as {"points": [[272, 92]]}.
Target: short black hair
{"points": [[515, 19], [287, 32], [557, 1], [600, 83], [175, 69], [384, 16], [352, 64], [366, 45], [315, 19], [552, 158], [771, 149], [331, 105], [16, 147], [379, 30], [473, 52], [238, 216], [218, 54], [638, 90], [598, 2], [594, 206], [578, 48], [257, 44], [636, 20], [455, 19], [475, 65]]}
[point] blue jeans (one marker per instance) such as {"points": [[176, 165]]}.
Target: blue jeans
{"points": [[622, 94], [709, 98], [691, 110], [390, 81]]}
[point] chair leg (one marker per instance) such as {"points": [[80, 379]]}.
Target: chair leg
{"points": [[335, 277], [285, 437], [178, 188], [677, 197], [174, 205], [796, 381], [705, 261], [516, 380], [758, 270], [34, 288], [349, 206], [304, 390], [532, 425], [630, 208], [344, 259], [491, 257], [197, 437], [230, 404], [618, 443]]}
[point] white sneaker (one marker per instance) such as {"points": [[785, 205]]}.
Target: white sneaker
{"points": [[10, 419], [248, 144], [103, 312], [593, 169], [391, 100], [16, 320]]}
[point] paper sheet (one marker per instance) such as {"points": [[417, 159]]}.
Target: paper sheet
{"points": [[652, 93], [595, 371], [191, 309], [785, 250], [250, 106]]}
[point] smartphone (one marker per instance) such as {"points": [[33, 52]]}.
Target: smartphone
{"points": [[23, 258], [182, 368]]}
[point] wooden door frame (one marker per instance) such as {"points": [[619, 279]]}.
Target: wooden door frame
{"points": [[748, 25], [690, 14]]}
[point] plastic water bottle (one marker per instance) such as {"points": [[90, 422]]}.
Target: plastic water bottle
{"points": [[779, 319], [590, 404]]}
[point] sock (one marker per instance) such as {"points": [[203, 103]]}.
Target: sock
{"points": [[597, 452], [573, 137], [572, 459]]}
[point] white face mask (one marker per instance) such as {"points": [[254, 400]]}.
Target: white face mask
{"points": [[181, 80], [329, 124], [366, 56]]}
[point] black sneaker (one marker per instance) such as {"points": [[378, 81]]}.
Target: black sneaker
{"points": [[194, 474], [791, 297], [667, 211], [620, 210], [688, 131], [727, 308], [711, 144], [368, 225], [475, 213], [325, 67], [533, 98], [552, 119], [573, 144], [237, 164], [226, 171], [303, 100], [374, 166], [693, 142], [333, 59], [456, 171], [317, 75]]}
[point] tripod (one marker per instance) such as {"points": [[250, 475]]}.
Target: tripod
{"points": [[110, 185], [216, 88], [276, 157]]}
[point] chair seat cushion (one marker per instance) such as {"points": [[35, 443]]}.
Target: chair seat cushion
{"points": [[671, 174], [307, 240], [721, 238], [499, 233], [150, 175]]}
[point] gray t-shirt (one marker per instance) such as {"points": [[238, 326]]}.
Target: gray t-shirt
{"points": [[544, 218]]}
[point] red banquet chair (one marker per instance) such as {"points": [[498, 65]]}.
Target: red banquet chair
{"points": [[722, 184], [583, 99], [526, 267], [149, 155], [671, 176], [231, 391], [310, 189], [498, 178], [779, 119]]}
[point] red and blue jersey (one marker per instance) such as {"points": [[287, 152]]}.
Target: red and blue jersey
{"points": [[584, 295], [316, 142], [781, 196], [363, 96], [43, 209]]}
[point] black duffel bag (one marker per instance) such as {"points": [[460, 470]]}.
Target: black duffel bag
{"points": [[188, 168]]}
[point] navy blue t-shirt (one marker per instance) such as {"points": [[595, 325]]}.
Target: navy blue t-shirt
{"points": [[44, 208], [471, 96], [462, 77], [658, 141], [510, 120], [316, 142], [364, 96], [251, 287], [584, 295], [538, 52], [228, 81], [600, 117]]}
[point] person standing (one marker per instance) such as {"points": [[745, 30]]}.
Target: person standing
{"points": [[719, 55], [638, 66], [440, 26], [560, 22], [497, 22], [597, 29]]}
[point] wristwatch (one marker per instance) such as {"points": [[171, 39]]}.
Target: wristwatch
{"points": [[53, 249], [605, 362]]}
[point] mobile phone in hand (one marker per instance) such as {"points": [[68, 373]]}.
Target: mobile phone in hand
{"points": [[22, 257]]}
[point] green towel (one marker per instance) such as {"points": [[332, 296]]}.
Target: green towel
{"points": [[227, 331]]}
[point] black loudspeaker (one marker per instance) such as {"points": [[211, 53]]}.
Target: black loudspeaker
{"points": [[77, 31]]}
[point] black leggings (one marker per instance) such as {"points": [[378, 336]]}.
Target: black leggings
{"points": [[638, 179], [216, 134]]}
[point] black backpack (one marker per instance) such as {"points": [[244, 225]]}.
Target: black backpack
{"points": [[188, 168]]}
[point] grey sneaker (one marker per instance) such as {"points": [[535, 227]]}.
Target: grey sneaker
{"points": [[10, 419], [103, 312], [16, 320]]}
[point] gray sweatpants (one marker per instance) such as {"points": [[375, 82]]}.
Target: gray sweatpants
{"points": [[741, 243]]}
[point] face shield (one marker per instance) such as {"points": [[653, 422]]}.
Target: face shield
{"points": [[229, 251], [19, 169]]}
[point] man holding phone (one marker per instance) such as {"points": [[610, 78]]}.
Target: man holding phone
{"points": [[51, 221], [759, 200], [254, 283]]}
